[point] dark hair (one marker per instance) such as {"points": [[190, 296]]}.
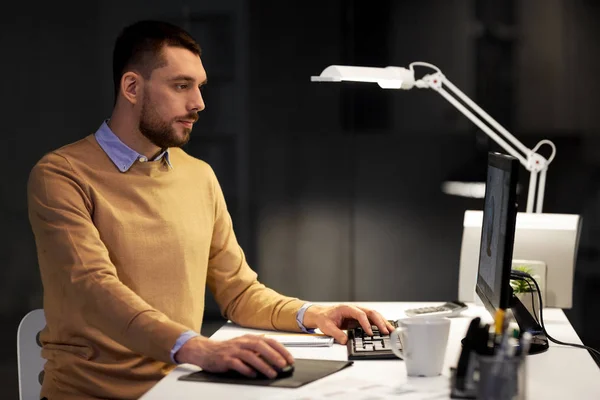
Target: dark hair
{"points": [[139, 47]]}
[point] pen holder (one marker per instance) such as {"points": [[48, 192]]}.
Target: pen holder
{"points": [[490, 378], [501, 379]]}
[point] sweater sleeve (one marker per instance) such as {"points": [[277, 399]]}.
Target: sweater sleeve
{"points": [[240, 296], [74, 260]]}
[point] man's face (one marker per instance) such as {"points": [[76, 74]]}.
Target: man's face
{"points": [[172, 99]]}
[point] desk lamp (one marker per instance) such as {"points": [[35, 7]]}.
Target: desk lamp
{"points": [[402, 78], [558, 262]]}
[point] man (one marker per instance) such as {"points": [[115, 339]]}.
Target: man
{"points": [[130, 229]]}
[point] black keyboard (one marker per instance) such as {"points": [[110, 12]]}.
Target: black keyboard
{"points": [[364, 347]]}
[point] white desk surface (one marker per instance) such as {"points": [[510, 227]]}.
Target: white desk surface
{"points": [[560, 373]]}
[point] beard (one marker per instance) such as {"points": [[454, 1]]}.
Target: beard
{"points": [[160, 132]]}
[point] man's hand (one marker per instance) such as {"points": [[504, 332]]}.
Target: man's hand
{"points": [[331, 320], [244, 354]]}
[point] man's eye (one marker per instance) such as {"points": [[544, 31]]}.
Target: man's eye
{"points": [[182, 86]]}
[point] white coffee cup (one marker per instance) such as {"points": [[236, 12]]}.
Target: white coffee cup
{"points": [[423, 342]]}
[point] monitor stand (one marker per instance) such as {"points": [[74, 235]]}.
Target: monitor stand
{"points": [[527, 323]]}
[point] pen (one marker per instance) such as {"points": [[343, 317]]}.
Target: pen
{"points": [[508, 356], [465, 355], [481, 340], [525, 343], [503, 352], [511, 349], [514, 329], [522, 372]]}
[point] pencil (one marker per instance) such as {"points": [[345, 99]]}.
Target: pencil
{"points": [[499, 321]]}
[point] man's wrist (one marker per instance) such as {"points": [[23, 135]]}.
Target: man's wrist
{"points": [[191, 351], [310, 316], [181, 341], [300, 317]]}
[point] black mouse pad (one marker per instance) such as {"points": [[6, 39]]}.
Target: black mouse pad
{"points": [[306, 371]]}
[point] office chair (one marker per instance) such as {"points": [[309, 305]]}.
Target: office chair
{"points": [[29, 358]]}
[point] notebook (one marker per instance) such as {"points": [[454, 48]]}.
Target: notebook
{"points": [[302, 339]]}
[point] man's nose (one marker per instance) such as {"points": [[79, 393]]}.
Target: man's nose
{"points": [[197, 102]]}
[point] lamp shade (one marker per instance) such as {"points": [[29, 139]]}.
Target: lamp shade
{"points": [[386, 78]]}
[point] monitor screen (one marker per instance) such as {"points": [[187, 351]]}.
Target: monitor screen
{"points": [[497, 233]]}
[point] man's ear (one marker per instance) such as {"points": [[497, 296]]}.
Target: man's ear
{"points": [[131, 87]]}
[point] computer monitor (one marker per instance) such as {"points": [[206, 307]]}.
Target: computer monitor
{"points": [[496, 247], [497, 233]]}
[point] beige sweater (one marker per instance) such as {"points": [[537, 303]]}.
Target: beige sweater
{"points": [[125, 259]]}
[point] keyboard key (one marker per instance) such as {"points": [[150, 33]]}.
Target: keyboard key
{"points": [[361, 350]]}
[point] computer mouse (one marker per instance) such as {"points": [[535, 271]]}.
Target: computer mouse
{"points": [[284, 372]]}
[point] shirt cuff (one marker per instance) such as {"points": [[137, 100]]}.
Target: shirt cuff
{"points": [[181, 340], [300, 318]]}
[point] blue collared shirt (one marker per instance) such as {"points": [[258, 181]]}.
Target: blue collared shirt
{"points": [[124, 157], [121, 154]]}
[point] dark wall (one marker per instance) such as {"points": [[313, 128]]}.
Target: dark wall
{"points": [[334, 189], [345, 179], [339, 184]]}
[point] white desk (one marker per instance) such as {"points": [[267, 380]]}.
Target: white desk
{"points": [[560, 373]]}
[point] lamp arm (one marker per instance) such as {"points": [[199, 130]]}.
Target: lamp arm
{"points": [[486, 117], [532, 161], [403, 78], [511, 150]]}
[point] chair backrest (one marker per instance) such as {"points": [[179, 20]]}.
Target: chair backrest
{"points": [[29, 357]]}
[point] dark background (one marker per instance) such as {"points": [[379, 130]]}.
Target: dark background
{"points": [[334, 189]]}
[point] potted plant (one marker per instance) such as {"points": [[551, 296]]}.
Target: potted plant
{"points": [[526, 291]]}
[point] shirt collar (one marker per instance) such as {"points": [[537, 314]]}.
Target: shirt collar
{"points": [[119, 153]]}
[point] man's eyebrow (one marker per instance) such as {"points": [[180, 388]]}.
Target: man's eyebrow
{"points": [[187, 78]]}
